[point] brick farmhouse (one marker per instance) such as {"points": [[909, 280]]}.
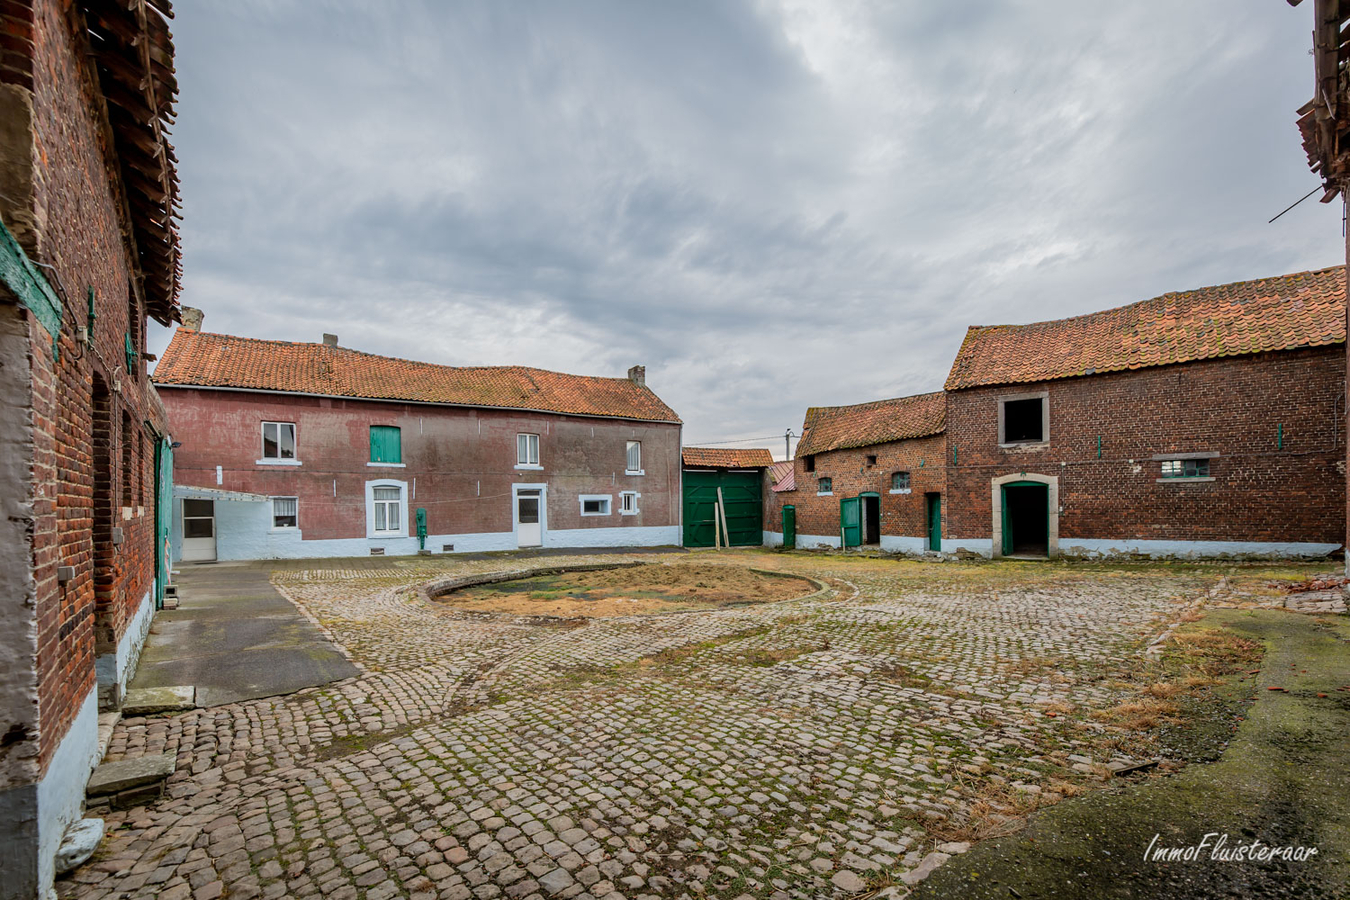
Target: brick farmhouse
{"points": [[870, 474], [88, 249], [1199, 423], [315, 450]]}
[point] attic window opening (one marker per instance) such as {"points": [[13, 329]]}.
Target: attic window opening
{"points": [[809, 462], [871, 459], [1023, 420]]}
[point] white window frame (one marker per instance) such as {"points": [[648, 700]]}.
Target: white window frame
{"points": [[628, 454], [275, 526], [909, 480], [402, 509], [264, 460], [607, 499], [1044, 397], [830, 492], [527, 464], [624, 497], [1163, 458]]}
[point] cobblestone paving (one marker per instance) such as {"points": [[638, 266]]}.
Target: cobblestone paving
{"points": [[797, 749]]}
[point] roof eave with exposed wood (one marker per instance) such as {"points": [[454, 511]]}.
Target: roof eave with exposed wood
{"points": [[1324, 121], [133, 52]]}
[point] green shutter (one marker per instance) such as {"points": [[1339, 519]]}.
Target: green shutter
{"points": [[386, 445], [131, 356], [30, 286]]}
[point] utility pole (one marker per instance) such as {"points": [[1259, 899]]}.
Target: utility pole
{"points": [[787, 444]]}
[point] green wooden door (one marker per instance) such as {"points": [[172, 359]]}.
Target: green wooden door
{"points": [[744, 507], [789, 527], [934, 502], [1007, 524], [163, 517], [850, 521]]}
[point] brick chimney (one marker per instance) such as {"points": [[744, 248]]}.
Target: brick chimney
{"points": [[192, 318], [638, 375], [330, 340]]}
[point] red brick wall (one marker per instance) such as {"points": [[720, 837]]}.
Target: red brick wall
{"points": [[902, 515], [68, 217], [463, 460], [1230, 406]]}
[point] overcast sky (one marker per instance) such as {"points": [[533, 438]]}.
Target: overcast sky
{"points": [[770, 205]]}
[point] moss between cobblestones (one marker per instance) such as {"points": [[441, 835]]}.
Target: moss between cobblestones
{"points": [[1281, 779]]}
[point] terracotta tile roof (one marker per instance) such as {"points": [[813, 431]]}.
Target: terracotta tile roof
{"points": [[1302, 310], [219, 360], [783, 476], [718, 458], [865, 424]]}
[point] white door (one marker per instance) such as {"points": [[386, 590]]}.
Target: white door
{"points": [[529, 530], [199, 530]]}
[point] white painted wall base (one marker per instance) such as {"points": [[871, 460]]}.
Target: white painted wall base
{"points": [[894, 543], [982, 546], [816, 541], [115, 670], [773, 539], [60, 793], [244, 531], [1087, 547]]}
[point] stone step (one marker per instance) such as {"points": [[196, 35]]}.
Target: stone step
{"points": [[148, 701], [125, 783], [107, 721]]}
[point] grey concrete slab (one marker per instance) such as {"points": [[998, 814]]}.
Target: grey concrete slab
{"points": [[236, 638]]}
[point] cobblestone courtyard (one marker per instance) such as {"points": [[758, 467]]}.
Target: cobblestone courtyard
{"points": [[802, 748]]}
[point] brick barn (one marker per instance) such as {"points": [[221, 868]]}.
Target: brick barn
{"points": [[870, 474], [88, 250], [1198, 423], [311, 450], [740, 475]]}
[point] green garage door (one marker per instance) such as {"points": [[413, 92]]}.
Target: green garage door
{"points": [[744, 507]]}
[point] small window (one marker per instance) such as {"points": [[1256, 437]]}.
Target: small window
{"points": [[595, 505], [628, 503], [527, 449], [871, 459], [386, 444], [278, 439], [1024, 421], [824, 486], [899, 481], [1185, 468], [388, 507], [809, 463], [285, 512], [634, 458]]}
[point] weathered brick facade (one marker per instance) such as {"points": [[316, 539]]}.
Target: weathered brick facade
{"points": [[853, 472], [1275, 421], [81, 427]]}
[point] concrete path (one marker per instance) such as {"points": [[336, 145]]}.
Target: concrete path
{"points": [[236, 638]]}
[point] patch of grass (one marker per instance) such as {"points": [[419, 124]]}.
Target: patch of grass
{"points": [[1034, 665], [1143, 714]]}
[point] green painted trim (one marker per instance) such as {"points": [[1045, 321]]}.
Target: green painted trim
{"points": [[30, 286]]}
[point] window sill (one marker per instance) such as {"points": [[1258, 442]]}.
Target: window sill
{"points": [[901, 491], [634, 472], [529, 468], [631, 512], [286, 529], [375, 465], [385, 535], [1185, 479], [278, 462], [1025, 445], [602, 515], [824, 493]]}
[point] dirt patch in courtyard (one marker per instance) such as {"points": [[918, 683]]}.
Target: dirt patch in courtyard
{"points": [[633, 590]]}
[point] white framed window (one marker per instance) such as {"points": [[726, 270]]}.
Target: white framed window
{"points": [[1185, 467], [628, 503], [899, 483], [596, 504], [285, 513], [824, 486], [634, 464], [278, 444], [527, 451], [386, 509], [1024, 419]]}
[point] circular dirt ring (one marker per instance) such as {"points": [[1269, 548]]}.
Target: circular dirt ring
{"points": [[624, 589]]}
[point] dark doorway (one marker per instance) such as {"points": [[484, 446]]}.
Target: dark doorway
{"points": [[933, 519], [1026, 520], [871, 519]]}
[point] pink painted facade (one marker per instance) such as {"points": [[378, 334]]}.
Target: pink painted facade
{"points": [[458, 463]]}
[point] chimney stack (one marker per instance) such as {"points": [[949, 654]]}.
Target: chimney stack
{"points": [[192, 318], [330, 340], [638, 375]]}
